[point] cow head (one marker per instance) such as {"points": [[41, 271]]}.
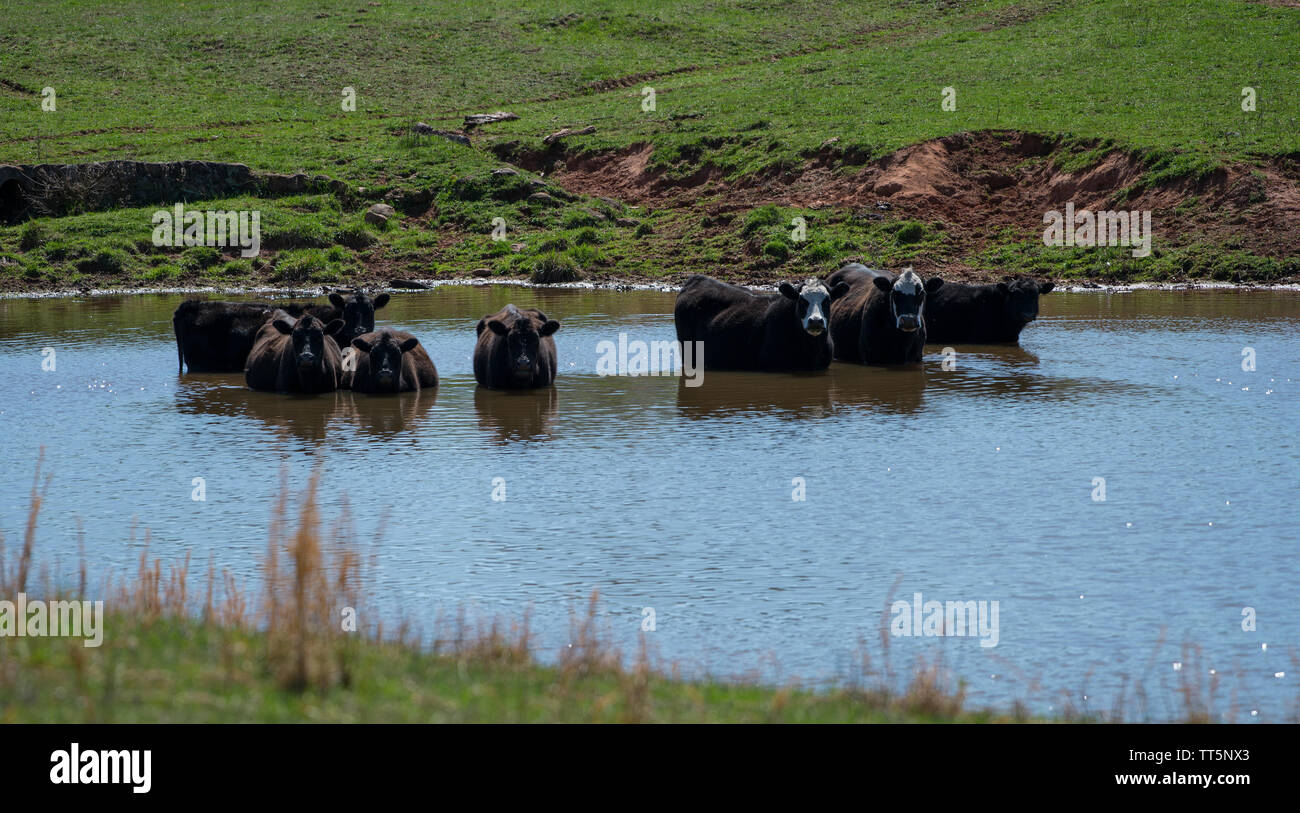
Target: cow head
{"points": [[812, 303], [308, 339], [384, 362], [1020, 299], [358, 311], [523, 341], [907, 297]]}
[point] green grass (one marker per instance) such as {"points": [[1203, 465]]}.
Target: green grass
{"points": [[170, 670], [750, 88]]}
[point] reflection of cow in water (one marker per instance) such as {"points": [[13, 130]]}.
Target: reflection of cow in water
{"points": [[518, 415], [741, 330], [388, 417], [515, 349], [845, 388], [882, 319]]}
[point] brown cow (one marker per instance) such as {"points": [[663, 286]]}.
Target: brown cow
{"points": [[291, 355], [389, 361], [515, 349]]}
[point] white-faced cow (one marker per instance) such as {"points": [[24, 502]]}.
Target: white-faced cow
{"points": [[515, 349], [882, 319], [295, 355], [742, 330], [983, 314]]}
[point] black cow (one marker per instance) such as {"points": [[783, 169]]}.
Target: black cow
{"points": [[388, 361], [983, 314], [882, 319], [356, 309], [742, 330], [295, 355], [216, 337], [515, 349]]}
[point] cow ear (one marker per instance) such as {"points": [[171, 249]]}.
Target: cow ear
{"points": [[337, 301], [409, 345], [497, 327], [841, 288], [550, 327], [333, 327], [361, 344], [284, 326], [883, 283], [1004, 289], [933, 284], [381, 301], [788, 291], [1045, 287]]}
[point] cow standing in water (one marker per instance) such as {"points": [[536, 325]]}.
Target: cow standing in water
{"points": [[389, 361], [216, 337], [295, 355], [882, 319], [515, 349], [741, 330], [983, 314]]}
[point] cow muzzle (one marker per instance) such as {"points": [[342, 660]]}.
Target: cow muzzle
{"points": [[908, 323]]}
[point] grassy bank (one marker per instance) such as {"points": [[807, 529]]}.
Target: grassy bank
{"points": [[171, 670], [758, 108]]}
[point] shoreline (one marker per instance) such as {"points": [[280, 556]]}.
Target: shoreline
{"points": [[612, 284]]}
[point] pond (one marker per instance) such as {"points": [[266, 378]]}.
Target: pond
{"points": [[768, 520]]}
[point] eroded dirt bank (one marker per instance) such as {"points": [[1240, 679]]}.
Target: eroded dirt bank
{"points": [[981, 187]]}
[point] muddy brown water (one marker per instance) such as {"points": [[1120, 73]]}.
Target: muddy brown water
{"points": [[970, 484]]}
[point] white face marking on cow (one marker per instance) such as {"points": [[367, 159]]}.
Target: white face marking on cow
{"points": [[908, 282], [816, 307], [908, 292]]}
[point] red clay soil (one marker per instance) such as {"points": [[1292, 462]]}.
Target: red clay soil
{"points": [[977, 184]]}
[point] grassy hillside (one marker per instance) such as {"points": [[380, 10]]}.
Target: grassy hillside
{"points": [[747, 95]]}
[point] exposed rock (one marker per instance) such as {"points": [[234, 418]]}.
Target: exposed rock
{"points": [[33, 190], [380, 213], [481, 272], [488, 118], [459, 138], [408, 284], [543, 199], [566, 132]]}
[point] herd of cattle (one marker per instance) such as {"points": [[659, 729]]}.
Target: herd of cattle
{"points": [[858, 315]]}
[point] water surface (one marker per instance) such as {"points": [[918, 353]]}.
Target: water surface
{"points": [[975, 483]]}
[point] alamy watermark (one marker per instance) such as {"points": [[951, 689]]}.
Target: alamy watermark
{"points": [[1088, 229], [180, 227], [929, 619], [637, 358], [55, 619]]}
